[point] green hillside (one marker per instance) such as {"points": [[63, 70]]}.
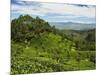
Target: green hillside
{"points": [[38, 47]]}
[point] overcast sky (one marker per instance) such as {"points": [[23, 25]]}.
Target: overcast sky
{"points": [[54, 12]]}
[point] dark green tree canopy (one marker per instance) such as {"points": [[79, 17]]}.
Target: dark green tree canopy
{"points": [[26, 24]]}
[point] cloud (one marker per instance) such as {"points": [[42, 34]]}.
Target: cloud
{"points": [[81, 5], [55, 11], [69, 9], [25, 8]]}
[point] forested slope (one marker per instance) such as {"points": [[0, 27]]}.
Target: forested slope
{"points": [[36, 46]]}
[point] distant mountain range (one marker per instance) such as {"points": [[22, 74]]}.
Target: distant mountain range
{"points": [[73, 26]]}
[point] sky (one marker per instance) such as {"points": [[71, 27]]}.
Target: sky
{"points": [[54, 12]]}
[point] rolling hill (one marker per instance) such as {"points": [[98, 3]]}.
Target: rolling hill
{"points": [[38, 47]]}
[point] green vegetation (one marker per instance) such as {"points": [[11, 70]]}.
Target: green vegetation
{"points": [[38, 47]]}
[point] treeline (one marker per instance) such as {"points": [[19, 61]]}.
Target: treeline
{"points": [[84, 39]]}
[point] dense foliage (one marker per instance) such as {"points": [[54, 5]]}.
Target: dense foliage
{"points": [[38, 47]]}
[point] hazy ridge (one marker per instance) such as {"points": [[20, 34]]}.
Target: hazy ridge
{"points": [[73, 26]]}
